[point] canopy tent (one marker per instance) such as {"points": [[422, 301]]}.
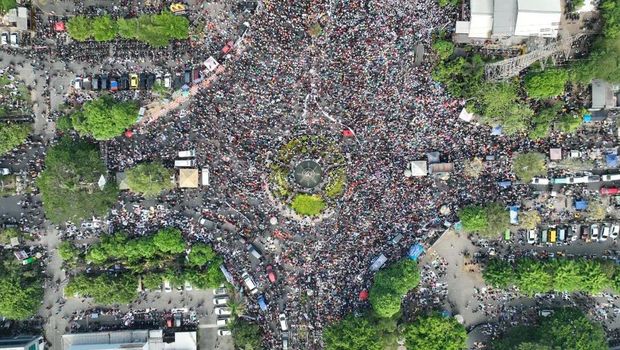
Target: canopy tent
{"points": [[581, 205], [514, 215], [188, 178], [59, 26], [363, 295], [262, 303], [415, 251], [121, 181], [418, 168], [612, 160], [465, 115], [496, 131], [555, 153], [433, 157], [378, 262], [347, 133]]}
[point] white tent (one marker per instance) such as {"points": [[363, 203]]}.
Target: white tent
{"points": [[538, 18], [419, 168]]}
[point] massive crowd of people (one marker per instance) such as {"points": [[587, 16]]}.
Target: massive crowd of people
{"points": [[360, 73]]}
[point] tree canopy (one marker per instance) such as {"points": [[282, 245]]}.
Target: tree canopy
{"points": [[489, 220], [352, 333], [246, 335], [436, 333], [80, 28], [6, 5], [104, 28], [201, 254], [529, 165], [562, 275], [104, 289], [105, 118], [156, 30], [391, 284], [565, 329], [443, 48], [547, 83], [149, 179], [12, 135], [21, 288], [69, 182]]}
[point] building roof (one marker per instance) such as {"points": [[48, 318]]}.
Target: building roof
{"points": [[504, 17], [441, 168], [419, 168], [540, 6], [602, 95], [134, 339], [188, 178], [22, 342], [462, 27], [481, 7]]}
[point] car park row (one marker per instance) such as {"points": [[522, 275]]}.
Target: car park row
{"points": [[9, 39], [135, 81], [566, 233]]}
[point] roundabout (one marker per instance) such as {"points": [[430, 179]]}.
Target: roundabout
{"points": [[308, 175]]}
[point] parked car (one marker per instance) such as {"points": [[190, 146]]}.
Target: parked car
{"points": [[221, 322], [249, 282], [142, 81], [123, 82], [187, 286], [167, 81], [283, 324], [540, 181], [609, 191], [77, 83], [223, 332], [222, 311], [5, 38], [615, 229], [532, 236], [167, 287], [552, 235], [543, 236], [594, 235], [270, 274], [562, 234], [585, 233], [105, 85], [221, 301], [605, 231], [220, 291], [575, 230], [14, 40], [133, 81]]}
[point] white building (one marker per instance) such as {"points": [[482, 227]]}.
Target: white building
{"points": [[130, 339], [501, 19], [22, 342]]}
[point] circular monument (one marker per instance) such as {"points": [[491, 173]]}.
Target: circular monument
{"points": [[308, 174]]}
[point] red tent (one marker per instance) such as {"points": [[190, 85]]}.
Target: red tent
{"points": [[128, 133], [363, 295], [59, 26], [347, 133]]}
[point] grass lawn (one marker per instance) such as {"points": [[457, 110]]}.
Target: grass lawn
{"points": [[308, 205]]}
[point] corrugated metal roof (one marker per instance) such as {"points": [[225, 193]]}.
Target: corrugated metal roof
{"points": [[504, 17], [481, 7], [540, 5]]}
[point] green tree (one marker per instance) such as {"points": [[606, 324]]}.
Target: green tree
{"points": [[528, 165], [443, 48], [571, 329], [436, 333], [68, 252], [201, 254], [104, 289], [473, 218], [80, 28], [567, 276], [497, 99], [391, 284], [152, 281], [171, 26], [594, 280], [516, 118], [149, 179], [20, 298], [444, 3], [246, 335], [498, 273], [127, 28], [104, 28], [597, 211], [169, 240], [68, 184], [12, 135], [569, 123], [542, 121], [6, 5], [308, 204], [533, 277], [498, 219], [105, 118], [352, 333], [547, 83]]}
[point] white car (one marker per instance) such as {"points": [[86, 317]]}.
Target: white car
{"points": [[594, 234], [167, 81], [222, 322], [220, 291], [5, 171], [605, 232], [540, 181], [14, 40], [167, 287], [221, 301], [615, 230], [188, 286], [5, 38], [532, 237], [222, 311], [283, 324], [223, 332]]}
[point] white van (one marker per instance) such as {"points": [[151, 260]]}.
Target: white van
{"points": [[187, 154], [249, 282], [254, 252], [205, 177], [167, 287], [184, 163], [283, 325]]}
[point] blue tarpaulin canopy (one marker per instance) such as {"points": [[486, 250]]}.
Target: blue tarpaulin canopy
{"points": [[587, 118], [496, 131], [262, 303], [514, 215], [581, 205], [612, 160], [415, 251]]}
